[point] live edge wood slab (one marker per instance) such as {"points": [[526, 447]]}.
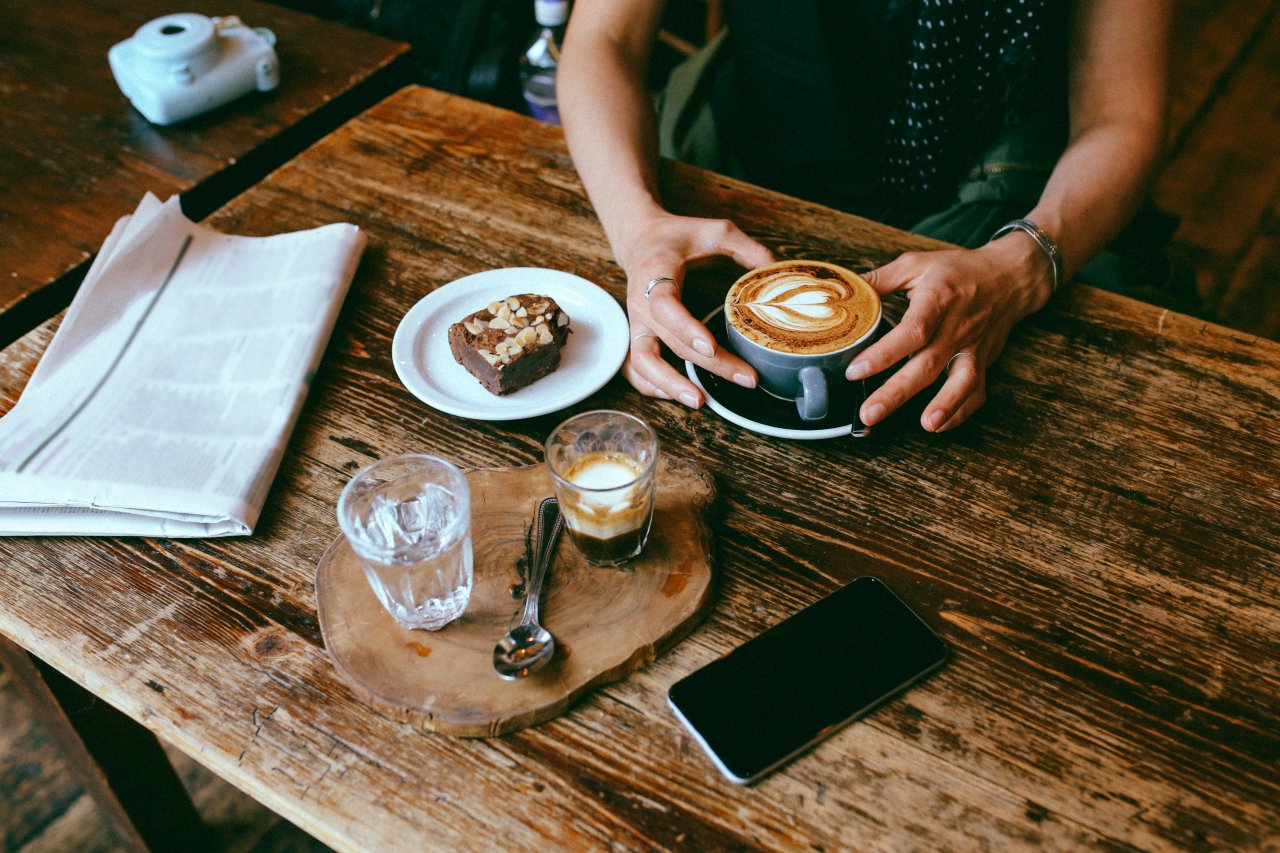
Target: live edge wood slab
{"points": [[1098, 547], [607, 622]]}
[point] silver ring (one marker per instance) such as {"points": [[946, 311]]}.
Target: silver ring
{"points": [[947, 369], [655, 282], [635, 338]]}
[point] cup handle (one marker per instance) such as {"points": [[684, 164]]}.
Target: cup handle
{"points": [[812, 402]]}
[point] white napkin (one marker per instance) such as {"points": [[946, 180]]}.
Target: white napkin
{"points": [[164, 402]]}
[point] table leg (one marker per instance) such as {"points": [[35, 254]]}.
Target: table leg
{"points": [[118, 762]]}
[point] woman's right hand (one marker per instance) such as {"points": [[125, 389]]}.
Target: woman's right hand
{"points": [[611, 129], [661, 247]]}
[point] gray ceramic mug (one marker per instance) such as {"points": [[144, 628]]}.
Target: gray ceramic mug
{"points": [[805, 377]]}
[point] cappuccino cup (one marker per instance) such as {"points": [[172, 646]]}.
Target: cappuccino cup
{"points": [[799, 324]]}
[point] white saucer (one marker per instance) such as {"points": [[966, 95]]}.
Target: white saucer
{"points": [[759, 411], [742, 420], [594, 352]]}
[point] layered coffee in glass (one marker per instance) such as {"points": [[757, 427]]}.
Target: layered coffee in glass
{"points": [[603, 465]]}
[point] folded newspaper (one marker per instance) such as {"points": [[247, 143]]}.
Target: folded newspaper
{"points": [[164, 402]]}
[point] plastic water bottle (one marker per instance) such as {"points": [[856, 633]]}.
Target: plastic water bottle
{"points": [[540, 60]]}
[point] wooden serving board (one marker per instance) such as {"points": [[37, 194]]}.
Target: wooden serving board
{"points": [[607, 622]]}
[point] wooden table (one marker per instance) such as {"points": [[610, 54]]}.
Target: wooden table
{"points": [[75, 156], [1099, 547]]}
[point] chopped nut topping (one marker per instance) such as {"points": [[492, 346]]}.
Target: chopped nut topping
{"points": [[507, 328]]}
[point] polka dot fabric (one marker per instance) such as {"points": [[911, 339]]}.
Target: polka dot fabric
{"points": [[969, 64]]}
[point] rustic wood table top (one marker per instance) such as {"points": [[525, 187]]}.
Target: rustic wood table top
{"points": [[1100, 547], [75, 156]]}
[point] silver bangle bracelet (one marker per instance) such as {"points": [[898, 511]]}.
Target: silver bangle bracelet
{"points": [[1043, 240]]}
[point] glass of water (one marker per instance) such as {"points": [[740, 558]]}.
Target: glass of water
{"points": [[408, 519]]}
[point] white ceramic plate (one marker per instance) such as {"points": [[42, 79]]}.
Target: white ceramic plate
{"points": [[592, 355]]}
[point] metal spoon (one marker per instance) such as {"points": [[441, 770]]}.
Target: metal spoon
{"points": [[528, 646], [859, 429]]}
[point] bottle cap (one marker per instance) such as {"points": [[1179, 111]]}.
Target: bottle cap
{"points": [[550, 13]]}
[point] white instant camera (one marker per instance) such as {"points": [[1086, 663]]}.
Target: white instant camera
{"points": [[182, 65]]}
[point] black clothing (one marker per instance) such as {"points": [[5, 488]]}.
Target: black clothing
{"points": [[880, 108]]}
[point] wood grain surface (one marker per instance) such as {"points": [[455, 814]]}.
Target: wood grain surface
{"points": [[1100, 547], [607, 622], [75, 156], [1223, 175]]}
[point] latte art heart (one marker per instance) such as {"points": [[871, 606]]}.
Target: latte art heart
{"points": [[803, 307], [798, 303]]}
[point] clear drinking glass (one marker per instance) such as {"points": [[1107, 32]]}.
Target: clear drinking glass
{"points": [[408, 519], [603, 465]]}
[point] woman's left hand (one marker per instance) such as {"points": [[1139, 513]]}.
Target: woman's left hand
{"points": [[963, 304]]}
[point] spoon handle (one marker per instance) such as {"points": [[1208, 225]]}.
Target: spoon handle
{"points": [[548, 514], [859, 429]]}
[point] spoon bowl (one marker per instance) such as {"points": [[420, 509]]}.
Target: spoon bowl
{"points": [[524, 650]]}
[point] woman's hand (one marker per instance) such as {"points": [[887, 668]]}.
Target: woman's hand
{"points": [[611, 128], [968, 301], [660, 248], [963, 304]]}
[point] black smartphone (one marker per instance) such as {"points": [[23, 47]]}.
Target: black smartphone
{"points": [[799, 681]]}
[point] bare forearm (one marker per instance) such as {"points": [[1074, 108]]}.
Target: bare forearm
{"points": [[612, 131], [1099, 183], [1118, 93], [609, 123]]}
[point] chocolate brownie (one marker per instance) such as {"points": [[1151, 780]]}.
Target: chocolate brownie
{"points": [[512, 343]]}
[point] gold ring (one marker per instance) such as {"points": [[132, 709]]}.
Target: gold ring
{"points": [[655, 282]]}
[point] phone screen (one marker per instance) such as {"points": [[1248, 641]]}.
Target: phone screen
{"points": [[800, 680]]}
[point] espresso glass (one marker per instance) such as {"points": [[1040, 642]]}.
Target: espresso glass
{"points": [[603, 467], [408, 519]]}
